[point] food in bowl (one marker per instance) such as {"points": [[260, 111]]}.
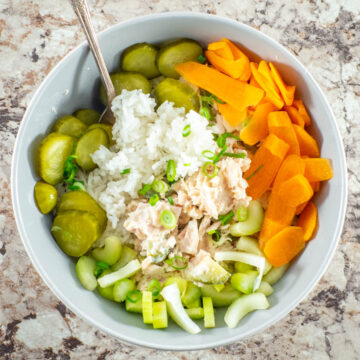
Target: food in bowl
{"points": [[199, 196]]}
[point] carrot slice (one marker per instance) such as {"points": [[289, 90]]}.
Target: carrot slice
{"points": [[308, 220], [264, 165], [221, 49], [308, 145], [265, 70], [232, 116], [265, 84], [302, 111], [300, 208], [318, 169], [286, 91], [295, 116], [253, 82], [257, 128], [280, 125], [284, 246], [237, 93], [295, 191]]}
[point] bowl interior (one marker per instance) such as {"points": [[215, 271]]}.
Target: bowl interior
{"points": [[74, 84]]}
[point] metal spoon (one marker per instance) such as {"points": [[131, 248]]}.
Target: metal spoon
{"points": [[82, 11]]}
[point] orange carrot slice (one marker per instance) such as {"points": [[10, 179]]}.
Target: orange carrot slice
{"points": [[302, 111], [257, 128], [232, 116], [318, 169], [308, 220], [237, 93], [221, 49], [280, 125], [286, 91], [295, 116], [253, 82], [300, 208], [308, 145], [264, 165], [264, 69], [284, 246]]}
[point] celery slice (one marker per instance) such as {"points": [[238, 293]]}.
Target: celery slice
{"points": [[192, 294], [111, 251], [171, 294], [127, 254], [106, 292], [219, 287], [128, 270], [122, 288], [275, 274], [195, 313], [209, 316], [179, 281], [242, 306], [194, 304], [265, 288], [160, 318], [241, 267], [244, 282], [135, 307], [223, 298], [147, 307], [85, 267]]}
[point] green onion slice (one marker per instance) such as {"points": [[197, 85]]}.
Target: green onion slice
{"points": [[145, 189], [77, 185], [154, 199], [255, 172], [168, 219], [133, 296], [125, 171], [242, 213], [155, 287], [208, 154], [100, 267], [220, 154], [159, 186], [225, 219], [171, 201], [205, 112], [221, 141], [201, 59], [235, 155], [177, 259], [218, 100], [171, 171], [209, 169], [187, 164], [186, 130], [216, 233]]}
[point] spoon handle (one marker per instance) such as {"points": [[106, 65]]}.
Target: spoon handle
{"points": [[82, 11]]}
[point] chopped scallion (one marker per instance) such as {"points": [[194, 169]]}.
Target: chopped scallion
{"points": [[155, 287], [205, 112], [242, 213], [171, 171], [77, 185], [100, 267], [220, 154], [133, 296], [201, 59], [145, 189], [208, 154], [176, 259], [216, 233], [154, 199], [255, 172], [235, 155], [225, 219], [171, 201], [168, 219], [159, 186], [186, 130], [125, 171], [221, 141], [210, 170]]}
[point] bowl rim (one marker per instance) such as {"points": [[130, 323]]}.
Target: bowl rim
{"points": [[236, 337]]}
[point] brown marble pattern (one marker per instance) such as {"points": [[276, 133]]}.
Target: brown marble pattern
{"points": [[323, 34]]}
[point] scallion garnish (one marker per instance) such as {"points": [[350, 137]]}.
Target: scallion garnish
{"points": [[176, 259], [235, 155], [218, 100], [168, 219], [171, 171], [209, 169], [100, 267], [159, 186], [255, 172], [70, 169], [125, 171], [77, 185], [205, 112], [242, 213], [216, 233], [154, 199], [171, 201], [155, 287], [225, 219], [186, 130], [133, 296], [188, 164], [145, 189], [208, 154], [220, 154], [221, 141], [201, 59]]}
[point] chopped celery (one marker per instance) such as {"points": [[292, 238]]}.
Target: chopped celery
{"points": [[128, 270], [244, 282], [250, 245], [107, 291], [219, 287], [122, 288], [209, 316], [241, 267], [147, 307], [194, 304], [110, 253], [127, 254], [179, 281], [223, 298], [85, 267], [171, 294], [192, 294], [265, 288], [242, 306], [275, 274], [195, 313], [160, 318], [135, 307]]}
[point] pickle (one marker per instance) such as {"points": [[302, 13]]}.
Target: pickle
{"points": [[52, 154], [140, 58], [70, 125], [106, 127], [45, 197], [83, 201], [177, 52], [75, 231], [128, 81], [87, 145], [87, 116], [180, 94]]}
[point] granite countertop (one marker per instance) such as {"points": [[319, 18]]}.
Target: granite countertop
{"points": [[323, 34]]}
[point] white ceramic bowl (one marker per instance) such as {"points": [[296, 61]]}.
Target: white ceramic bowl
{"points": [[78, 74]]}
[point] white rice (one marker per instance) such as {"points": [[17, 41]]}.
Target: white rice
{"points": [[145, 140]]}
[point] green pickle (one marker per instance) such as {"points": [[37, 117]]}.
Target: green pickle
{"points": [[83, 201], [175, 91], [127, 81], [87, 116], [140, 58], [75, 231], [70, 125], [106, 292], [52, 154], [106, 127], [87, 145], [177, 52], [45, 197]]}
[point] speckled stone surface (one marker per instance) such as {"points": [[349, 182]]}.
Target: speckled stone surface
{"points": [[323, 34]]}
